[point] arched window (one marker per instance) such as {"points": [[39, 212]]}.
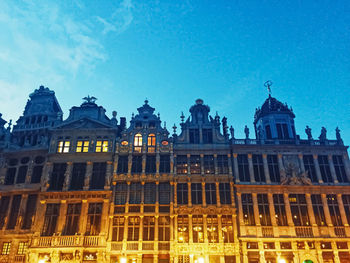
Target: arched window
{"points": [[138, 143], [151, 143]]}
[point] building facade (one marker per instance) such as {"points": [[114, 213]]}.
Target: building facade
{"points": [[90, 188]]}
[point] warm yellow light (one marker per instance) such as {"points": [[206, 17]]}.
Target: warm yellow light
{"points": [[42, 261], [123, 260], [282, 260], [200, 260]]}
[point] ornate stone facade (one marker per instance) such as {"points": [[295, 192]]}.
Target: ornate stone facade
{"points": [[91, 188]]}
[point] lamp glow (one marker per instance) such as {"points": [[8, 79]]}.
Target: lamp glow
{"points": [[282, 261], [123, 260], [41, 261], [200, 260]]}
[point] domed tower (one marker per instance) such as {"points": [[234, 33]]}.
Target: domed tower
{"points": [[274, 121]]}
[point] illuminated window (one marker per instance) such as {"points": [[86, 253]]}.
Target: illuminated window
{"points": [[248, 211], [151, 143], [212, 228], [227, 228], [280, 210], [63, 146], [101, 146], [197, 225], [133, 228], [164, 228], [125, 143], [298, 207], [82, 146], [6, 248], [148, 228], [22, 248], [182, 228], [118, 228], [264, 211], [93, 225], [138, 143], [317, 206]]}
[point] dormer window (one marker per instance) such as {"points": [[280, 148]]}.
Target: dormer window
{"points": [[138, 125], [194, 136], [63, 146], [101, 146], [282, 131], [152, 124], [151, 143], [82, 146], [138, 143]]}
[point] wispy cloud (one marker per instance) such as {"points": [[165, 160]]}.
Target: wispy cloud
{"points": [[120, 20]]}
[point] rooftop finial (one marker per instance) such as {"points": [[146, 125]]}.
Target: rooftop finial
{"points": [[146, 101], [89, 99], [268, 85]]}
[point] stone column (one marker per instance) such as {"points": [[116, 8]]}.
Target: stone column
{"points": [[125, 237], [29, 172], [109, 175], [202, 163], [326, 210], [189, 194], [317, 168], [272, 209], [331, 167], [104, 217], [204, 201], [157, 161], [115, 164], [232, 194], [83, 220], [172, 166], [88, 175], [235, 166], [256, 214], [62, 216], [174, 228], [189, 164], [143, 163], [289, 214], [310, 211], [280, 162], [251, 169], [230, 172], [218, 201], [129, 163], [342, 210], [205, 228], [21, 211], [141, 232], [301, 163], [346, 165], [216, 168], [190, 229], [175, 194], [240, 209], [67, 176], [221, 239], [46, 176], [266, 169], [39, 216]]}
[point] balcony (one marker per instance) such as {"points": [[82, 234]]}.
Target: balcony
{"points": [[339, 231], [267, 231], [304, 231], [132, 246], [67, 241], [148, 245], [20, 258], [164, 246]]}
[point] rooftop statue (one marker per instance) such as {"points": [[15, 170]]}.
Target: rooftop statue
{"points": [[308, 132], [246, 131], [323, 135]]}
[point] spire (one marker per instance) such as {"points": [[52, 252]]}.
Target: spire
{"points": [[268, 85]]}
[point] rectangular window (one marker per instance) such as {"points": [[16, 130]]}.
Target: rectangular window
{"points": [[273, 168], [135, 193], [258, 167], [194, 136], [30, 212], [280, 210], [36, 175], [212, 228], [10, 176], [334, 210], [122, 165], [101, 146], [182, 193], [268, 132], [282, 131], [210, 194], [264, 210], [227, 228], [133, 228], [222, 163], [310, 167], [207, 135], [121, 192], [63, 146], [164, 228], [78, 176], [6, 248], [225, 193], [93, 226], [164, 165], [22, 248], [118, 228], [182, 228], [150, 193], [197, 227], [346, 202], [21, 176], [148, 228], [298, 207], [16, 201], [317, 206], [181, 164], [150, 164], [324, 168], [209, 167], [136, 164], [339, 169], [196, 193], [82, 146], [98, 176], [57, 176], [72, 219], [243, 168], [195, 164], [164, 193], [248, 211], [50, 220], [4, 205]]}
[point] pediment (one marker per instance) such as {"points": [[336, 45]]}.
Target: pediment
{"points": [[84, 123]]}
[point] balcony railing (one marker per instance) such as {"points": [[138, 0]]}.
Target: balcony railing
{"points": [[148, 245], [66, 241], [164, 246], [20, 258], [91, 241], [339, 231], [132, 246], [304, 231], [116, 245], [267, 231]]}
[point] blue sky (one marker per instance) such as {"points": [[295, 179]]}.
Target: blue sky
{"points": [[173, 52]]}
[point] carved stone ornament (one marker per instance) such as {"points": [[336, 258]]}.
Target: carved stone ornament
{"points": [[291, 175]]}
